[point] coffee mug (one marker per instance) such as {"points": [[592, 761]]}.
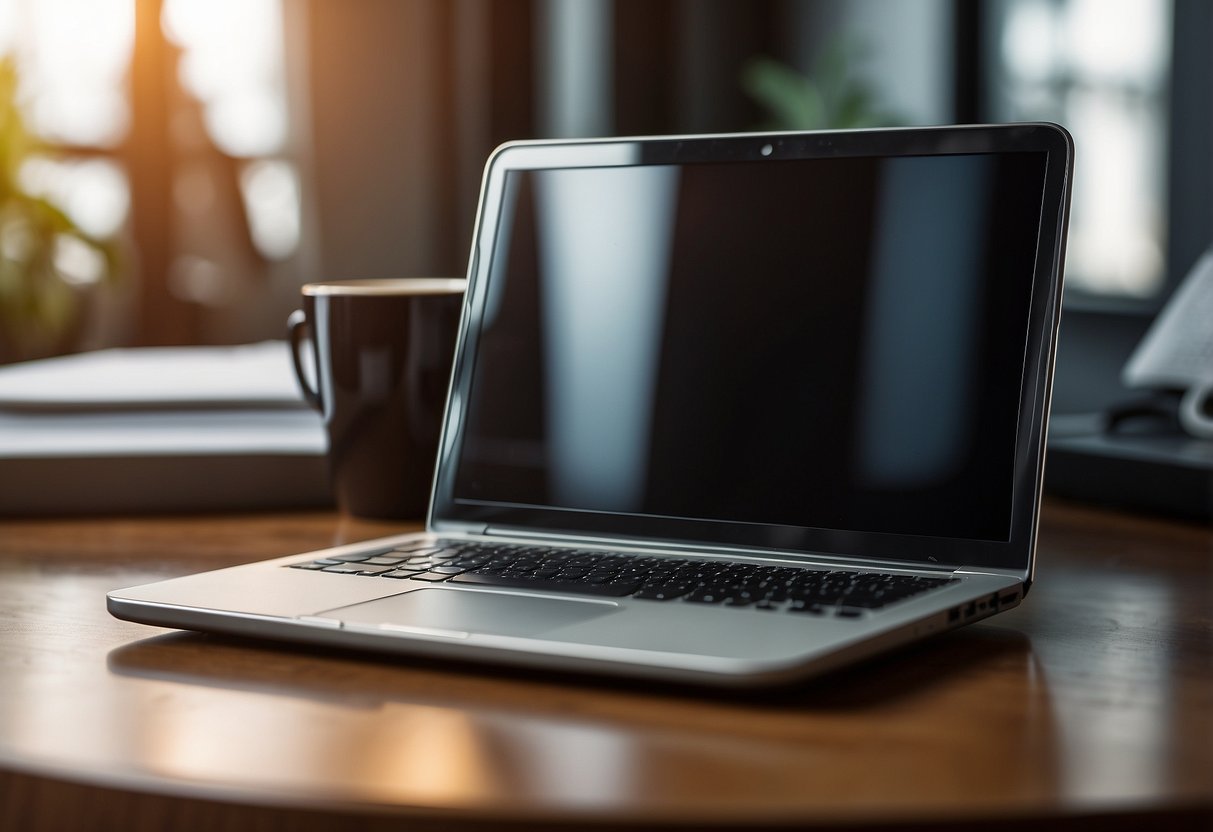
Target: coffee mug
{"points": [[382, 352]]}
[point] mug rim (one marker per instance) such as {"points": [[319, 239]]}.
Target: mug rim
{"points": [[386, 286]]}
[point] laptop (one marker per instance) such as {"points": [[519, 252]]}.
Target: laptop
{"points": [[728, 410]]}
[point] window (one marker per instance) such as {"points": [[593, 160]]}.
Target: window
{"points": [[163, 123], [232, 63], [72, 57], [1101, 68]]}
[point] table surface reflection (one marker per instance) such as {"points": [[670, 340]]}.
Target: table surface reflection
{"points": [[1095, 698]]}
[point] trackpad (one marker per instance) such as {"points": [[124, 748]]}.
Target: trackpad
{"points": [[458, 612]]}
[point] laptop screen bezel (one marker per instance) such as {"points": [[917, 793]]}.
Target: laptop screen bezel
{"points": [[1016, 553]]}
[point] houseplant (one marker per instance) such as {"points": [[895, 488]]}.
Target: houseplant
{"points": [[832, 96], [49, 266]]}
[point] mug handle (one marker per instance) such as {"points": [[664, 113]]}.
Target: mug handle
{"points": [[297, 326], [1193, 411]]}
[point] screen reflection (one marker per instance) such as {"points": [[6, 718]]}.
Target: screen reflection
{"points": [[831, 343]]}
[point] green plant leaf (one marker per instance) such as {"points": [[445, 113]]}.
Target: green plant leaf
{"points": [[833, 96], [37, 307], [793, 101]]}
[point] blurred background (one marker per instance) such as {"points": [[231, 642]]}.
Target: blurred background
{"points": [[171, 171]]}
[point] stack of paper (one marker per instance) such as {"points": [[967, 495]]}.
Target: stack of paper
{"points": [[158, 429]]}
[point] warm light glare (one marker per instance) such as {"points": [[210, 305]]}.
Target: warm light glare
{"points": [[77, 262], [73, 56], [232, 61], [93, 192], [271, 196]]}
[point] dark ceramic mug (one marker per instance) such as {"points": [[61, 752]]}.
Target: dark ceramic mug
{"points": [[382, 352]]}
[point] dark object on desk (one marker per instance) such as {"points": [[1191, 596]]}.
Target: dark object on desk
{"points": [[1134, 457], [1168, 475], [380, 352]]}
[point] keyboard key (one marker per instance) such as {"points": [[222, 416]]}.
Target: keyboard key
{"points": [[663, 592], [448, 570], [373, 570], [705, 596], [374, 553], [415, 547]]}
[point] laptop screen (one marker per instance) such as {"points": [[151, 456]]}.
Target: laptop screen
{"points": [[811, 343]]}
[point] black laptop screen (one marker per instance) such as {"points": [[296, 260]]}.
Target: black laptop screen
{"points": [[831, 343]]}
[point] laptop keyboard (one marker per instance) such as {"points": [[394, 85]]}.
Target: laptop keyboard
{"points": [[585, 572]]}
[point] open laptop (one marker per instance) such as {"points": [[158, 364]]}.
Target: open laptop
{"points": [[728, 410]]}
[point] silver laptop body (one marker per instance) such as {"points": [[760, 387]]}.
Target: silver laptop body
{"points": [[819, 355]]}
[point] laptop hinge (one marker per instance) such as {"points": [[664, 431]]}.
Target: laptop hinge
{"points": [[1017, 574], [470, 529]]}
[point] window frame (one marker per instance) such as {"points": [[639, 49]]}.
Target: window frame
{"points": [[1189, 143]]}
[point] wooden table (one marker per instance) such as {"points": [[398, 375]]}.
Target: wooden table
{"points": [[1090, 704]]}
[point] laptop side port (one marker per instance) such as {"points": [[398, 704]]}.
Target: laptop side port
{"points": [[983, 607]]}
